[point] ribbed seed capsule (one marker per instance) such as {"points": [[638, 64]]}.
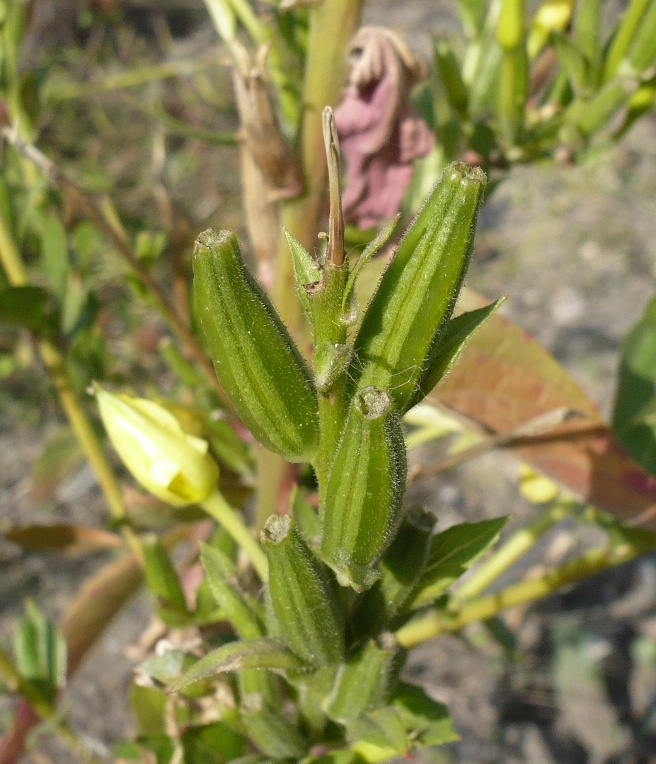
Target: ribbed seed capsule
{"points": [[256, 361], [365, 680], [363, 496], [303, 595], [418, 290]]}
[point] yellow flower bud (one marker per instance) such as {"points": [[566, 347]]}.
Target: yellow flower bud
{"points": [[171, 464]]}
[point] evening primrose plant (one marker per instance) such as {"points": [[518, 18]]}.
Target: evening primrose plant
{"points": [[312, 651], [286, 622]]}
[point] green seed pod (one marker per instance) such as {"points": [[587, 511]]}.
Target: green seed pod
{"points": [[303, 595], [401, 569], [366, 680], [418, 290], [255, 359], [364, 492]]}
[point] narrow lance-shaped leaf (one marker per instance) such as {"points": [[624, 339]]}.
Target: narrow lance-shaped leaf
{"points": [[40, 651], [362, 501], [306, 269], [366, 680], [417, 291], [255, 359], [262, 653], [450, 343], [219, 574], [163, 580], [452, 553]]}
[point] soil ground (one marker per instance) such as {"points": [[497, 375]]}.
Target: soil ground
{"points": [[573, 248]]}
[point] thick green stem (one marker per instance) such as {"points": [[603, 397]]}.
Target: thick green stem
{"points": [[508, 554], [272, 471], [435, 622], [56, 367], [332, 25], [218, 508]]}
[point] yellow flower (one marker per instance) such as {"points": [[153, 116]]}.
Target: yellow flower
{"points": [[171, 464]]}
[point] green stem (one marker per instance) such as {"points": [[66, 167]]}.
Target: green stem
{"points": [[63, 90], [218, 508], [508, 554], [272, 472], [435, 622], [43, 708], [624, 36], [332, 25], [255, 28], [55, 365]]}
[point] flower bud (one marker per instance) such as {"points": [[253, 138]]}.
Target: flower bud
{"points": [[171, 464]]}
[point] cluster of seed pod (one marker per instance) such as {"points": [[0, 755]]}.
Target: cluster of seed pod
{"points": [[346, 421]]}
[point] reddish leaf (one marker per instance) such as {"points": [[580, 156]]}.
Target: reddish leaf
{"points": [[71, 539], [505, 378]]}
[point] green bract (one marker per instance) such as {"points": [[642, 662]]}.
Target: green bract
{"points": [[255, 359], [417, 292]]}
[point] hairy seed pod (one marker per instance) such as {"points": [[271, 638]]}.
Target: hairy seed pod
{"points": [[255, 359], [418, 290], [303, 595], [366, 680], [363, 496]]}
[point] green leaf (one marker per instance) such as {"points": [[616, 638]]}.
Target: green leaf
{"points": [[40, 651], [221, 573], [306, 517], [427, 720], [54, 251], [452, 553], [450, 344], [223, 17], [381, 238], [164, 667], [31, 307], [451, 77], [574, 63], [262, 653], [163, 581], [635, 398], [149, 709], [382, 727], [212, 743], [306, 269], [587, 34]]}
